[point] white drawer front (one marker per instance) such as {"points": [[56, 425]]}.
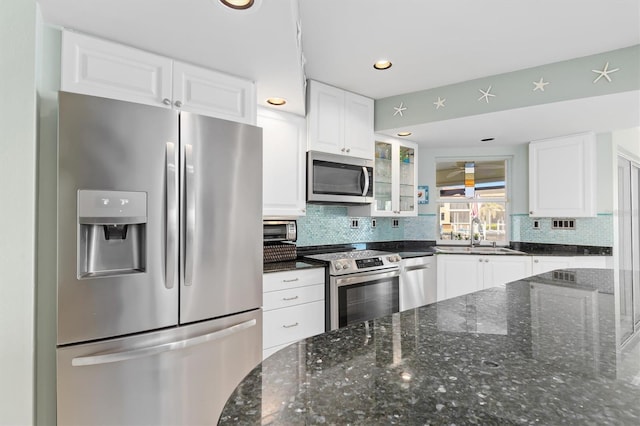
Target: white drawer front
{"points": [[281, 326], [274, 281], [293, 296]]}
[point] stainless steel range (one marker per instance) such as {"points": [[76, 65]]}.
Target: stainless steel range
{"points": [[363, 285]]}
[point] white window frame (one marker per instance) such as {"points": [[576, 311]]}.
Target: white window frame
{"points": [[507, 199]]}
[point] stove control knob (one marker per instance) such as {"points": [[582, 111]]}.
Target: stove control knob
{"points": [[338, 266], [345, 266], [395, 258]]}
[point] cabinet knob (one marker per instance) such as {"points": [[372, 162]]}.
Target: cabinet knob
{"points": [[480, 260], [342, 150], [348, 149], [303, 210], [530, 212], [166, 101], [178, 104], [535, 261]]}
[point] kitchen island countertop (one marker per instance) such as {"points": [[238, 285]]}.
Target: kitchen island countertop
{"points": [[542, 350]]}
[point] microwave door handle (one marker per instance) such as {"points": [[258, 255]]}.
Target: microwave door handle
{"points": [[190, 213], [366, 181], [171, 216]]}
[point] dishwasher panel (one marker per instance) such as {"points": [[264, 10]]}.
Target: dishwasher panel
{"points": [[417, 282]]}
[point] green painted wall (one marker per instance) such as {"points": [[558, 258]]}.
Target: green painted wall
{"points": [[568, 80]]}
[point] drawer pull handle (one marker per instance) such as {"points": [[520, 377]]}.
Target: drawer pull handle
{"points": [[291, 325], [290, 298], [291, 281]]}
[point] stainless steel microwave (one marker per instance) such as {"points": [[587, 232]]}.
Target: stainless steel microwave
{"points": [[339, 179]]}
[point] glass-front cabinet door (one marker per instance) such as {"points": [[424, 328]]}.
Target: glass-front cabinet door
{"points": [[407, 189], [383, 172], [395, 180]]}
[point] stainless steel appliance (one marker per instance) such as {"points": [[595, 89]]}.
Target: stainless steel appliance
{"points": [[363, 285], [159, 262], [339, 179], [279, 238], [417, 282], [279, 230]]}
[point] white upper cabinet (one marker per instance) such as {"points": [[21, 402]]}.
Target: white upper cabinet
{"points": [[562, 176], [395, 180], [97, 67], [92, 66], [339, 122], [207, 92], [284, 149]]}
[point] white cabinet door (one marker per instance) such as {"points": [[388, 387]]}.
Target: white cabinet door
{"points": [[283, 163], [96, 67], [358, 125], [500, 270], [326, 118], [207, 92], [598, 262], [541, 264], [339, 122], [562, 176], [458, 275], [293, 303]]}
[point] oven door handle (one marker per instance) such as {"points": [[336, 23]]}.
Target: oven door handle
{"points": [[366, 276]]}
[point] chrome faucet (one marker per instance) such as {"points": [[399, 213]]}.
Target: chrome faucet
{"points": [[477, 221]]}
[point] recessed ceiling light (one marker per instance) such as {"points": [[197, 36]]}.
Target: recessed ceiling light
{"points": [[382, 65], [487, 139], [276, 101], [404, 133], [237, 4]]}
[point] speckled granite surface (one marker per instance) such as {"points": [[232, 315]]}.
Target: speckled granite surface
{"points": [[536, 351]]}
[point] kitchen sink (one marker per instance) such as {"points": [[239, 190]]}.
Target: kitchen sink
{"points": [[476, 250]]}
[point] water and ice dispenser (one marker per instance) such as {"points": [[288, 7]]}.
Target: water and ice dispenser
{"points": [[111, 233]]}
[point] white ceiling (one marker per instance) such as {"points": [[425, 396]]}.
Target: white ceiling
{"points": [[430, 42]]}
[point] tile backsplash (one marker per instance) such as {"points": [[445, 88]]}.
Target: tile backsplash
{"points": [[330, 224], [589, 231]]}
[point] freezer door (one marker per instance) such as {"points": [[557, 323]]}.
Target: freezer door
{"points": [[130, 152], [222, 217], [180, 376]]}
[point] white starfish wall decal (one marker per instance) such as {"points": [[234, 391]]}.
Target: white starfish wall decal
{"points": [[540, 84], [439, 103], [399, 109], [486, 94], [604, 73]]}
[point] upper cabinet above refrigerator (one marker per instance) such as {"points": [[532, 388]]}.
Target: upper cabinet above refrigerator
{"points": [[97, 67]]}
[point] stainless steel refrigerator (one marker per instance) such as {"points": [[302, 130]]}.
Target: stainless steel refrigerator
{"points": [[159, 262]]}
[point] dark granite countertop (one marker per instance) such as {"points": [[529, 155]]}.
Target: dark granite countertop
{"points": [[428, 247], [537, 351], [290, 265]]}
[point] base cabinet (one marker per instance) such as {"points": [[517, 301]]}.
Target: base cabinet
{"points": [[542, 264], [293, 304], [464, 274]]}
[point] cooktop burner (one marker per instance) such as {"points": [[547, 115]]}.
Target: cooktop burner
{"points": [[355, 261]]}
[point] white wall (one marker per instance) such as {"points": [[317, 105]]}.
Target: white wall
{"points": [[628, 140], [17, 209]]}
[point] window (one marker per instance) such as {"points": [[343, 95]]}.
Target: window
{"points": [[469, 189]]}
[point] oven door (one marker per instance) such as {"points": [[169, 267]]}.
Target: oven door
{"points": [[364, 296]]}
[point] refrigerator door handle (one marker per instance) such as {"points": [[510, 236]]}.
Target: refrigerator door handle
{"points": [[190, 213], [106, 358], [171, 225]]}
